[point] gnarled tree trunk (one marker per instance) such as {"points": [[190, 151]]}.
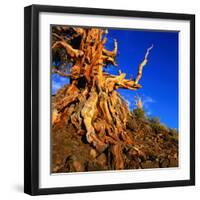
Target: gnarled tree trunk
{"points": [[91, 102]]}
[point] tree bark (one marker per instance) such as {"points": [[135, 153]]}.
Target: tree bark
{"points": [[92, 101]]}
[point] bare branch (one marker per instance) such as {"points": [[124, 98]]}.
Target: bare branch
{"points": [[57, 36], [113, 82], [54, 70], [108, 59], [142, 64], [74, 53], [79, 31], [111, 53]]}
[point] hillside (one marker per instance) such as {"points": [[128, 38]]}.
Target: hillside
{"points": [[153, 145]]}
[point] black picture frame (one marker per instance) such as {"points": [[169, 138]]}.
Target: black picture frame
{"points": [[31, 99]]}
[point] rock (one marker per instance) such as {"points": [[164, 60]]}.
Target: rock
{"points": [[175, 156], [78, 166], [102, 160], [132, 153], [164, 163], [173, 162], [100, 163], [93, 153], [131, 123], [74, 164], [149, 164], [133, 164]]}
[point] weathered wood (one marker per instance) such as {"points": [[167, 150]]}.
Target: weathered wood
{"points": [[91, 99]]}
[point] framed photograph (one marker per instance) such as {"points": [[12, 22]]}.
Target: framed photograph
{"points": [[109, 100]]}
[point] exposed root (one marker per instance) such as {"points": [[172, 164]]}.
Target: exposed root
{"points": [[118, 161]]}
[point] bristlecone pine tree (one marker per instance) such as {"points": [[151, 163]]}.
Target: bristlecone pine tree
{"points": [[92, 101]]}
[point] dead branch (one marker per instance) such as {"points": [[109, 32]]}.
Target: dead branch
{"points": [[79, 31], [142, 64], [73, 53], [112, 82], [108, 59], [138, 101], [54, 70], [111, 53]]}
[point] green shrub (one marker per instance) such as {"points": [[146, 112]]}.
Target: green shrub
{"points": [[139, 113], [173, 134], [157, 126], [154, 120]]}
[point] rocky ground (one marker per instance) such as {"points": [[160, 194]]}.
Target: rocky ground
{"points": [[155, 146]]}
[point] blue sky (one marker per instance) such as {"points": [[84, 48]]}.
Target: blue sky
{"points": [[159, 82]]}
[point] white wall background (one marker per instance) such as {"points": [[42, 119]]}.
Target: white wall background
{"points": [[11, 100]]}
